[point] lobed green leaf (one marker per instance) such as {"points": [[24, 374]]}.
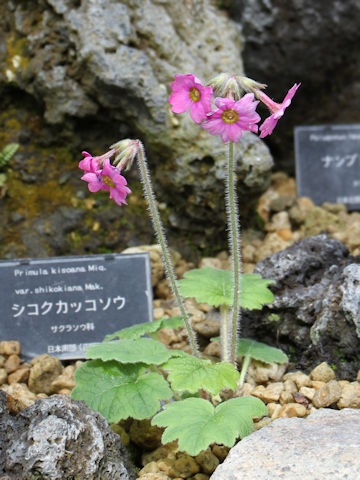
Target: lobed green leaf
{"points": [[196, 423], [179, 353], [254, 291], [207, 285], [143, 350], [260, 351], [120, 391], [214, 286], [137, 331], [191, 374]]}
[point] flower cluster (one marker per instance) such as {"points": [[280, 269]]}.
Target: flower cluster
{"points": [[236, 99], [101, 175], [234, 113]]}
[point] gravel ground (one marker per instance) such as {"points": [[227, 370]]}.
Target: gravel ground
{"points": [[287, 393]]}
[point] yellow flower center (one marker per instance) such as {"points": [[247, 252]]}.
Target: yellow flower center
{"points": [[108, 181], [194, 94], [230, 116]]}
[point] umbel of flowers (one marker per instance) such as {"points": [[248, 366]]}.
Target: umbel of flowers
{"points": [[225, 107]]}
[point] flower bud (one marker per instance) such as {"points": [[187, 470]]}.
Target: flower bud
{"points": [[226, 85], [126, 151], [233, 86], [250, 85]]}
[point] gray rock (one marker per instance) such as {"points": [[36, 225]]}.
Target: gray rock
{"points": [[60, 438], [317, 302], [101, 70], [324, 446], [351, 295], [303, 41]]}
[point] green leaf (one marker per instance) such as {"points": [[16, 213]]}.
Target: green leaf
{"points": [[120, 391], [179, 353], [196, 423], [260, 351], [192, 374], [143, 350], [137, 331], [207, 285], [214, 286], [7, 152], [255, 292]]}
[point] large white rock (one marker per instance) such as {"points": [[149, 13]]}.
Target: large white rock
{"points": [[323, 446]]}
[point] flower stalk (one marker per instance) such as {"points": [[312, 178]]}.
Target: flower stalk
{"points": [[235, 249], [244, 369], [225, 334], [155, 216]]}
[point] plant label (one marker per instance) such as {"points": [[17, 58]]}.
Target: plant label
{"points": [[328, 164], [61, 305]]}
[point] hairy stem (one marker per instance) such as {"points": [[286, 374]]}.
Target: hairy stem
{"points": [[160, 235], [225, 331], [244, 369], [234, 241]]}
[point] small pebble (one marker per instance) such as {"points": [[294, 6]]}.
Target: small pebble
{"points": [[20, 376], [350, 396], [12, 363], [317, 384], [207, 461], [3, 376], [10, 347], [300, 378], [293, 410], [186, 465], [307, 392], [155, 476], [158, 313], [290, 386], [323, 373], [220, 451], [20, 392], [300, 398], [151, 467], [274, 410], [271, 393], [326, 395], [286, 397]]}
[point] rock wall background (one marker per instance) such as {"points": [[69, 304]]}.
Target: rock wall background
{"points": [[81, 75], [290, 41]]}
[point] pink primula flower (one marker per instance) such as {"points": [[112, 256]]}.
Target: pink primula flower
{"points": [[189, 93], [232, 118], [109, 178], [89, 163], [277, 110]]}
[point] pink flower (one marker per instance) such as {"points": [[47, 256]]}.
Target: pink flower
{"points": [[89, 163], [277, 109], [109, 178], [232, 118], [189, 93]]}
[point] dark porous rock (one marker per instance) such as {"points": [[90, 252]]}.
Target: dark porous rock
{"points": [[323, 446], [316, 306], [60, 438]]}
